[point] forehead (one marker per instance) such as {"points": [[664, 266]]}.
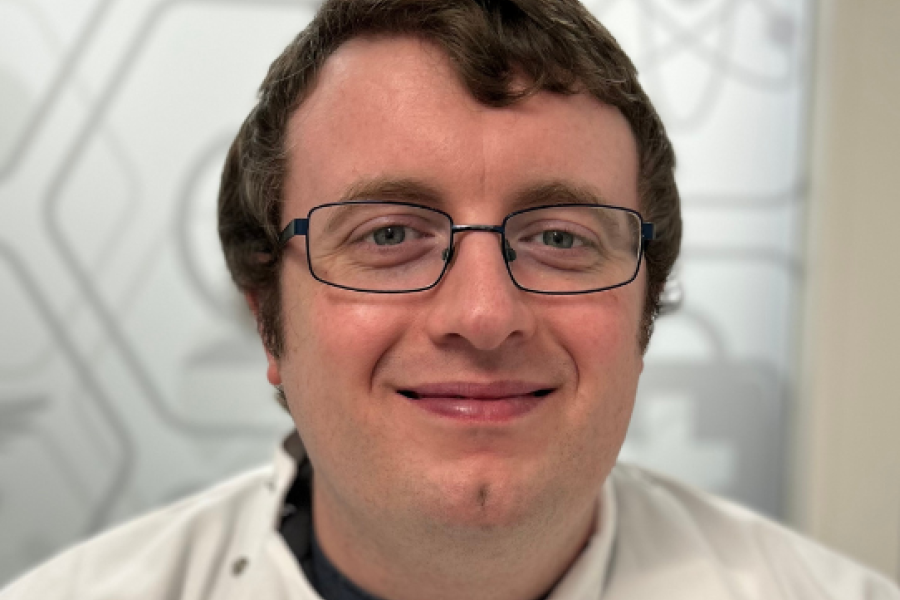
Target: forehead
{"points": [[386, 109]]}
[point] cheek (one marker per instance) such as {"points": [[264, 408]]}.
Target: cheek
{"points": [[351, 335], [600, 336], [328, 330], [601, 330], [334, 342]]}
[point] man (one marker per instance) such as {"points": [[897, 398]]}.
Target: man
{"points": [[453, 221]]}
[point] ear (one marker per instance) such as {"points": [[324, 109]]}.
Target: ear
{"points": [[273, 374]]}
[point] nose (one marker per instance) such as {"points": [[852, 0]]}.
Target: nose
{"points": [[477, 302]]}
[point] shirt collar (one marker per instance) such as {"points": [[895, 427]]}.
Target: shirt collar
{"points": [[288, 455], [587, 575]]}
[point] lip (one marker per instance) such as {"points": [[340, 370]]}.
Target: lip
{"points": [[478, 402]]}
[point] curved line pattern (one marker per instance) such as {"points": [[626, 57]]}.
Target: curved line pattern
{"points": [[182, 220], [54, 92], [78, 271], [686, 39], [681, 40], [715, 83], [709, 329], [16, 416], [127, 167], [84, 372], [722, 67]]}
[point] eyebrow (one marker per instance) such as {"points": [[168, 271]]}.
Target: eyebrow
{"points": [[397, 190], [417, 191], [557, 192], [384, 189]]}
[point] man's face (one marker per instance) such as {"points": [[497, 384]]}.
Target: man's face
{"points": [[387, 110]]}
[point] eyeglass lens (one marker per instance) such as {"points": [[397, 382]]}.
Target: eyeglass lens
{"points": [[396, 247]]}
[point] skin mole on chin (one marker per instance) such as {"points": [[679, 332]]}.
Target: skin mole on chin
{"points": [[483, 492]]}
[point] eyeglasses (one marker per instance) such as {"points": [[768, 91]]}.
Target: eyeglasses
{"points": [[396, 247]]}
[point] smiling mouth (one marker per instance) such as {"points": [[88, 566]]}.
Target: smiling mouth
{"points": [[412, 395], [471, 403]]}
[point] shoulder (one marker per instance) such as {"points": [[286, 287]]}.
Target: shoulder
{"points": [[163, 554], [684, 534]]}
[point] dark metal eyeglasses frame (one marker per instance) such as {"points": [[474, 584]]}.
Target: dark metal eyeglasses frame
{"points": [[298, 227]]}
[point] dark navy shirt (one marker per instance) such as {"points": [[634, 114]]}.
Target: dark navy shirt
{"points": [[298, 532]]}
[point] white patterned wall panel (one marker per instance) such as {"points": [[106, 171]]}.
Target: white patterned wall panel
{"points": [[129, 372]]}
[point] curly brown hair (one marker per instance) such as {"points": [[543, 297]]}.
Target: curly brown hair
{"points": [[554, 45]]}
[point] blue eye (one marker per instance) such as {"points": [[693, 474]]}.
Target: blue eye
{"points": [[389, 236], [558, 239]]}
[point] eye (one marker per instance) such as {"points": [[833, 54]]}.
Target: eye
{"points": [[389, 236], [558, 239]]}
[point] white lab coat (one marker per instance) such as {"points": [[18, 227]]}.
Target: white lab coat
{"points": [[657, 540]]}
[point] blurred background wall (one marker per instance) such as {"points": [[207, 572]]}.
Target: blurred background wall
{"points": [[130, 374], [846, 484]]}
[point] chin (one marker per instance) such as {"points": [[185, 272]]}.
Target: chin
{"points": [[487, 502]]}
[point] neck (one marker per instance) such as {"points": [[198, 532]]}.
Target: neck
{"points": [[402, 559]]}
